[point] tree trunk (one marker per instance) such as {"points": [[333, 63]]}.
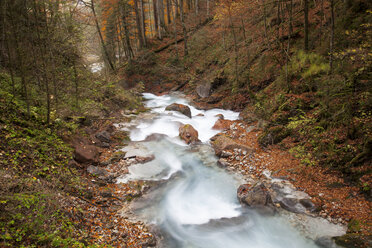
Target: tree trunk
{"points": [[76, 79], [175, 28], [306, 25], [150, 19], [207, 8], [138, 24], [101, 37], [126, 33], [331, 41], [20, 65], [235, 47], [143, 26], [169, 14], [161, 17], [154, 5], [183, 28], [289, 8]]}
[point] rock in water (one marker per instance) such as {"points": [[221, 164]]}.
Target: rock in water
{"points": [[183, 109], [188, 134], [255, 196], [220, 116], [86, 154]]}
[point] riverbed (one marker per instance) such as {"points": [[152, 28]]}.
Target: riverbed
{"points": [[195, 203]]}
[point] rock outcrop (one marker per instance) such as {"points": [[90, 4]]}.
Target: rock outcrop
{"points": [[254, 196], [221, 142], [183, 109]]}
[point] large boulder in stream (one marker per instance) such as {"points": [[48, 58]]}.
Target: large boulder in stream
{"points": [[221, 142], [183, 109], [254, 196], [188, 134]]}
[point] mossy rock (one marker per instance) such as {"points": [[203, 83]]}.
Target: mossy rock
{"points": [[273, 135], [117, 156], [352, 240]]}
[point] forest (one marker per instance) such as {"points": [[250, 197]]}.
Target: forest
{"points": [[71, 71]]}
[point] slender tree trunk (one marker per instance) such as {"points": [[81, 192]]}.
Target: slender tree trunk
{"points": [[7, 48], [76, 79], [207, 8], [21, 67], [175, 28], [126, 33], [43, 51], [265, 21], [150, 18], [306, 25], [160, 26], [169, 14], [101, 37], [183, 28], [243, 28], [138, 24], [289, 8], [143, 26], [154, 4], [279, 20], [3, 35], [321, 22], [161, 17], [235, 47], [331, 41], [196, 7]]}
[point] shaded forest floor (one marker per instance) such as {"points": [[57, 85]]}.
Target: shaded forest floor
{"points": [[48, 195]]}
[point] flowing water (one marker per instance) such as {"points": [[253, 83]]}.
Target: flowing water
{"points": [[197, 206]]}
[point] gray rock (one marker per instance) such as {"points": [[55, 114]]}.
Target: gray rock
{"points": [[223, 163], [137, 149], [97, 171], [297, 205], [103, 136], [225, 154], [292, 205], [104, 145], [326, 242], [183, 109], [255, 196], [203, 90]]}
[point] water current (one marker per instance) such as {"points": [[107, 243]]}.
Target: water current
{"points": [[197, 206]]}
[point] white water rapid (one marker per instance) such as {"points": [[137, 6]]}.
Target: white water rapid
{"points": [[197, 206]]}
